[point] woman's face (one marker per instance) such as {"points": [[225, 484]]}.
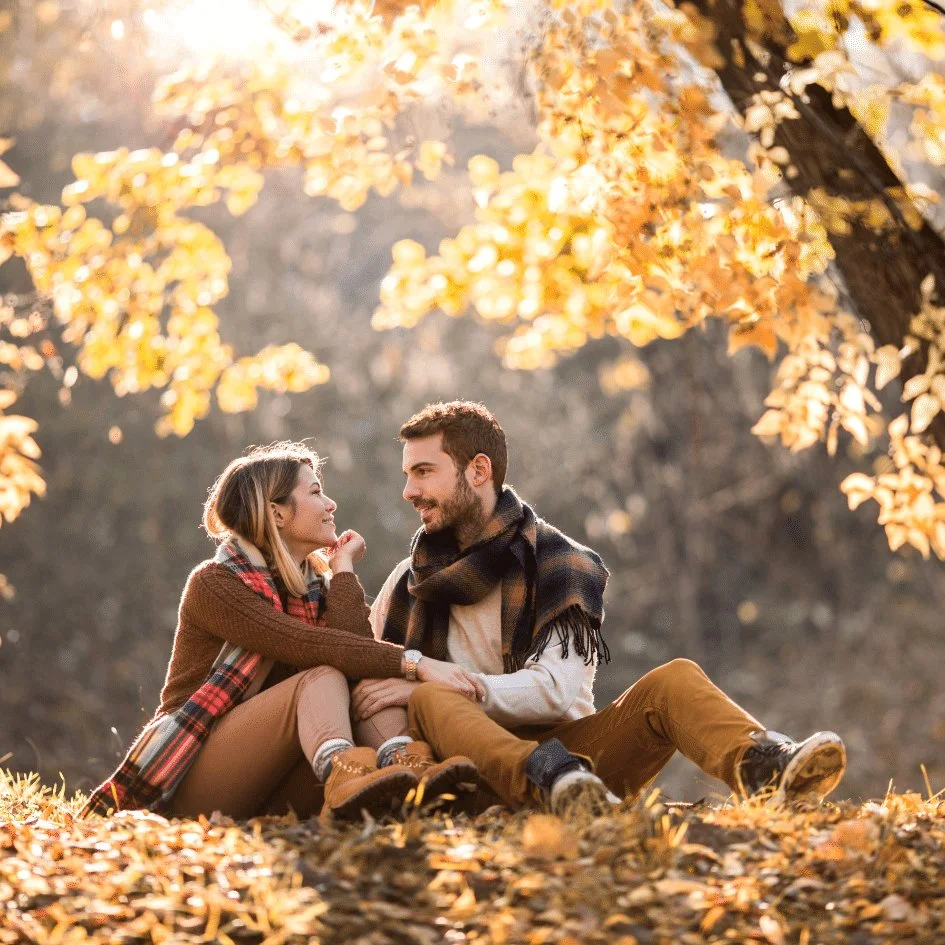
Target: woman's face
{"points": [[306, 521]]}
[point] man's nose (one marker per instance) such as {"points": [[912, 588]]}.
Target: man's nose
{"points": [[410, 491]]}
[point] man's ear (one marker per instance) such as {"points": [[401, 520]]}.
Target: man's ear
{"points": [[481, 468]]}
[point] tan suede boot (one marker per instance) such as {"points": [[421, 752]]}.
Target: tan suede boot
{"points": [[437, 778], [356, 784]]}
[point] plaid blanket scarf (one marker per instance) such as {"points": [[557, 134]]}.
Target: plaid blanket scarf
{"points": [[161, 754], [552, 587]]}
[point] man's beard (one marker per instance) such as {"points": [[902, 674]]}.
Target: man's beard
{"points": [[462, 511]]}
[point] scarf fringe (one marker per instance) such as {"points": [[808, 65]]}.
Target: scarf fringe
{"points": [[570, 628]]}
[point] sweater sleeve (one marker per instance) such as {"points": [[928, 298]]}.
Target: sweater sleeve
{"points": [[541, 692], [345, 607], [220, 604], [382, 602]]}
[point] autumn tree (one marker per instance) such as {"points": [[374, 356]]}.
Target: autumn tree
{"points": [[709, 160]]}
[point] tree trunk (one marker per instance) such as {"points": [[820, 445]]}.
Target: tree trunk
{"points": [[882, 272]]}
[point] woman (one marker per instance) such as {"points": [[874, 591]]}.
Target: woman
{"points": [[254, 713]]}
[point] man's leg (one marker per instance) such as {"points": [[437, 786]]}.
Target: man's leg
{"points": [[675, 707], [454, 725]]}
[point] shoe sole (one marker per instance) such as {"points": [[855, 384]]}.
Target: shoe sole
{"points": [[816, 769], [589, 796], [461, 772], [378, 798]]}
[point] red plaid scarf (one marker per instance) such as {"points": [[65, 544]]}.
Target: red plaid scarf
{"points": [[160, 756]]}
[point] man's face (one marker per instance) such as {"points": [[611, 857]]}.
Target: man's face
{"points": [[437, 490]]}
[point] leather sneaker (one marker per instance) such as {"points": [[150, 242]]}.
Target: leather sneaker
{"points": [[789, 770]]}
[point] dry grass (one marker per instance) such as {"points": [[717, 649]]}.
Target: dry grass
{"points": [[649, 873]]}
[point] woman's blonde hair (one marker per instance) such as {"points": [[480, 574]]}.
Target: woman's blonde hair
{"points": [[240, 504]]}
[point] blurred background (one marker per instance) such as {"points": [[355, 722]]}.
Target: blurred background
{"points": [[721, 549]]}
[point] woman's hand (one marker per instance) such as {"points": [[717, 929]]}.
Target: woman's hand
{"points": [[346, 552], [449, 674]]}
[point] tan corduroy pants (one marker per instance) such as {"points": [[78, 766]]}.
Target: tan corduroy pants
{"points": [[675, 707], [257, 759]]}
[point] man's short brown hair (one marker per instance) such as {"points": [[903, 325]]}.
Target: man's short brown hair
{"points": [[468, 429]]}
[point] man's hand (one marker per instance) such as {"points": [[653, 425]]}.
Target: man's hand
{"points": [[369, 696]]}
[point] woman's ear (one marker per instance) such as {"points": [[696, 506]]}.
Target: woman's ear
{"points": [[278, 514]]}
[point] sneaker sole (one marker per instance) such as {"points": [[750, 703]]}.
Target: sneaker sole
{"points": [[443, 782], [816, 769], [590, 796], [377, 798]]}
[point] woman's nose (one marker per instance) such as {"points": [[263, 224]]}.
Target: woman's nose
{"points": [[332, 505]]}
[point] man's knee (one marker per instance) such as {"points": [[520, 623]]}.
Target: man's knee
{"points": [[674, 675], [424, 699]]}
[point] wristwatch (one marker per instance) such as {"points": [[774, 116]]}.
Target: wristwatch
{"points": [[411, 660]]}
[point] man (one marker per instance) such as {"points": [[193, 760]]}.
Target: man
{"points": [[500, 592]]}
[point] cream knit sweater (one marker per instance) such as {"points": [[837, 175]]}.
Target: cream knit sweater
{"points": [[545, 691]]}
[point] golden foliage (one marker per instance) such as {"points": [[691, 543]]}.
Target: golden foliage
{"points": [[19, 475], [911, 495], [648, 870], [629, 219], [819, 392], [137, 297], [928, 123]]}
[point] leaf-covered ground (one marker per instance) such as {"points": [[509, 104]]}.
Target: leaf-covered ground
{"points": [[650, 873]]}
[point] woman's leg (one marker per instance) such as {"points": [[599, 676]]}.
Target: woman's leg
{"points": [[258, 744], [386, 724], [299, 794]]}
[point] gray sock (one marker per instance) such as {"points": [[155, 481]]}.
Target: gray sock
{"points": [[385, 754], [321, 760]]}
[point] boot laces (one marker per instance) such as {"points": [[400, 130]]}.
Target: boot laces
{"points": [[402, 757], [351, 767], [773, 751]]}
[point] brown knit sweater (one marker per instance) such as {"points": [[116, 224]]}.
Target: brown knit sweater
{"points": [[217, 606]]}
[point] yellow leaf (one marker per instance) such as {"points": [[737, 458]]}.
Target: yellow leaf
{"points": [[851, 397], [8, 177], [888, 365], [771, 930], [547, 837], [857, 487], [759, 334], [915, 386], [924, 409], [899, 427], [483, 171], [918, 539], [855, 426], [769, 424]]}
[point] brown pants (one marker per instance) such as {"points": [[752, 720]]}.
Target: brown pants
{"points": [[675, 707], [258, 757]]}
